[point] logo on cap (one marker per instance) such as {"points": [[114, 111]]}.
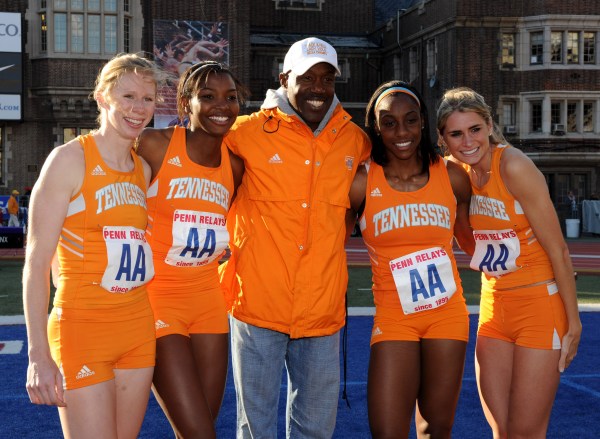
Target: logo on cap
{"points": [[316, 48]]}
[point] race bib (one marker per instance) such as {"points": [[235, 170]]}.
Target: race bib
{"points": [[129, 259], [198, 238], [424, 279], [496, 251]]}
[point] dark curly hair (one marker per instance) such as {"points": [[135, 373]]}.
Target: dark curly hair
{"points": [[196, 76], [428, 150]]}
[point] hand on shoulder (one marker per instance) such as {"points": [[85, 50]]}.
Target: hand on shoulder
{"points": [[152, 145], [459, 179]]}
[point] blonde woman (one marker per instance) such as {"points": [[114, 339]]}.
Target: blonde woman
{"points": [[529, 326], [94, 356]]}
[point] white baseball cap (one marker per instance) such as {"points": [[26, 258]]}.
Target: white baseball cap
{"points": [[304, 54]]}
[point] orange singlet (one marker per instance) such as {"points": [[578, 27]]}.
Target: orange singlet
{"points": [[102, 319], [511, 261], [187, 205], [417, 290]]}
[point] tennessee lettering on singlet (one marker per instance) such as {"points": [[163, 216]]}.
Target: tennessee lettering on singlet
{"points": [[200, 189], [411, 215], [481, 205], [117, 194]]}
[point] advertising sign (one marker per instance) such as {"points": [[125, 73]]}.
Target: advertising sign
{"points": [[11, 66], [179, 44]]}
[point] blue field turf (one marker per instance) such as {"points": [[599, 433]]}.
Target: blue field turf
{"points": [[576, 411]]}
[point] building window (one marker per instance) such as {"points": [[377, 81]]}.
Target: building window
{"points": [[93, 34], [589, 47], [397, 67], [572, 117], [87, 27], [588, 117], [537, 47], [77, 33], [413, 56], [310, 5], [556, 47], [508, 113], [110, 34], [344, 66], [431, 58], [126, 34], [60, 32], [72, 132], [43, 33], [555, 112], [508, 49], [536, 117], [573, 47], [509, 117], [110, 5]]}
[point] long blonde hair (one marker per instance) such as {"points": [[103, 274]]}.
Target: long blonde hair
{"points": [[464, 99]]}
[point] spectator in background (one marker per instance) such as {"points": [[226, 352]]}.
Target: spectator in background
{"points": [[572, 200], [13, 209]]}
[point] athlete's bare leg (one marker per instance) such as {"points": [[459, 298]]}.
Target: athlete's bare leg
{"points": [[111, 409], [182, 366], [442, 367], [517, 387], [393, 386]]}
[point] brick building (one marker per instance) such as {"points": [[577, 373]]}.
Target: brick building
{"points": [[65, 42], [536, 62]]}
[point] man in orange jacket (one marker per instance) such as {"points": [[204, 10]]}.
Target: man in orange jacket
{"points": [[13, 209], [287, 275]]}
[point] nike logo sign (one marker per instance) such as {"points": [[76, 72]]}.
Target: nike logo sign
{"points": [[6, 67]]}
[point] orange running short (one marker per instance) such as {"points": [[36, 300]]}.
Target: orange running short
{"points": [[189, 312], [450, 321], [88, 345], [531, 317]]}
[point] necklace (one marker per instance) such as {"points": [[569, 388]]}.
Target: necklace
{"points": [[483, 176]]}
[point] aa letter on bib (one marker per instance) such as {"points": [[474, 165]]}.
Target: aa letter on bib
{"points": [[424, 279]]}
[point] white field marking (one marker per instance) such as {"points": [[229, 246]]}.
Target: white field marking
{"points": [[11, 347]]}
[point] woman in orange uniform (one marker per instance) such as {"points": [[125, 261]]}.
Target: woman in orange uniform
{"points": [[529, 326], [194, 178], [411, 204], [94, 356]]}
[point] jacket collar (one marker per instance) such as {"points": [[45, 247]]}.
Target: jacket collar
{"points": [[278, 99]]}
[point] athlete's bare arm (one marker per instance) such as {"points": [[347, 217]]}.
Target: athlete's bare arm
{"points": [[461, 185], [527, 184], [152, 146], [60, 179]]}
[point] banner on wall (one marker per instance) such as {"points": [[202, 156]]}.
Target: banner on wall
{"points": [[179, 44], [11, 66]]}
